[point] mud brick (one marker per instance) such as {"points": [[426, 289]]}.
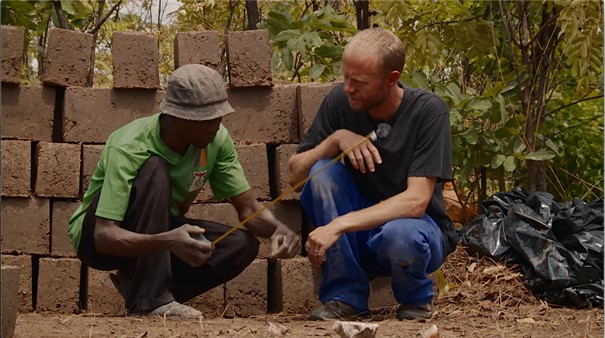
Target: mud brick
{"points": [[290, 213], [13, 41], [24, 263], [58, 170], [103, 297], [135, 60], [16, 168], [263, 115], [25, 225], [10, 297], [91, 114], [211, 303], [381, 293], [90, 158], [206, 195], [249, 58], [60, 243], [247, 293], [298, 286], [309, 98], [67, 59], [28, 112], [253, 159], [58, 285], [223, 213], [197, 47], [282, 171]]}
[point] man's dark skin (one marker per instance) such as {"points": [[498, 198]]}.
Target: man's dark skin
{"points": [[178, 135]]}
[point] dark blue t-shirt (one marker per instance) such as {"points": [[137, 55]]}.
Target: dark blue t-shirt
{"points": [[418, 145]]}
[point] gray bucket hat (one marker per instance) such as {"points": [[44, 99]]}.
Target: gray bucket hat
{"points": [[196, 93]]}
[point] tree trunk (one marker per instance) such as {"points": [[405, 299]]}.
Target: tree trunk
{"points": [[362, 11], [60, 14], [253, 15], [543, 52], [536, 45]]}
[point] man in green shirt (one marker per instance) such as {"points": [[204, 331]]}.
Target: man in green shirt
{"points": [[132, 215]]}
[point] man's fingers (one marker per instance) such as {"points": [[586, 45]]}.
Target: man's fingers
{"points": [[297, 247], [359, 160], [194, 229], [353, 160], [284, 246], [368, 158], [278, 247], [375, 154]]}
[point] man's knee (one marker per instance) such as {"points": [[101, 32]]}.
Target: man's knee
{"points": [[247, 246], [402, 236], [324, 173], [155, 171]]}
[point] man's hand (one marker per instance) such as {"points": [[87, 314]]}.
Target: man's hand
{"points": [[284, 243], [191, 250], [319, 241], [365, 155]]}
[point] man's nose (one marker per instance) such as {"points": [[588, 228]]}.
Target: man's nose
{"points": [[348, 87]]}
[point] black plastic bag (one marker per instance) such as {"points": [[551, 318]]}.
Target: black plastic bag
{"points": [[559, 247]]}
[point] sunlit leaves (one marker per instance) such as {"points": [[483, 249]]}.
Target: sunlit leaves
{"points": [[309, 47], [581, 25]]}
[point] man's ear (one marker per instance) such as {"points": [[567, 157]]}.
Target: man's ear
{"points": [[393, 78]]}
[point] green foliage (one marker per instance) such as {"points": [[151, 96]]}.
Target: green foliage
{"points": [[309, 48], [461, 50], [581, 28]]}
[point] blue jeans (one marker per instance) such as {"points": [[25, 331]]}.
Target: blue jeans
{"points": [[407, 249]]}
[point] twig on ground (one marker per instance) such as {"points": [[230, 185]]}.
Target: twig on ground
{"points": [[224, 311]]}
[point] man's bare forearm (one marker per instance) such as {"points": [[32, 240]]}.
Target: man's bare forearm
{"points": [[263, 223], [300, 164], [111, 239]]}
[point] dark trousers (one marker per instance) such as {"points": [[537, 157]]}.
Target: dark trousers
{"points": [[152, 280]]}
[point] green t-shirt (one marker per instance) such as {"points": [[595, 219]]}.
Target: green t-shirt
{"points": [[129, 147]]}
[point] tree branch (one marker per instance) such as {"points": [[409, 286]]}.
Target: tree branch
{"points": [[102, 21], [574, 103], [507, 23], [577, 125], [223, 63], [537, 35], [451, 21]]}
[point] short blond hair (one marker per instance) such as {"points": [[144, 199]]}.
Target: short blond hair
{"points": [[379, 42]]}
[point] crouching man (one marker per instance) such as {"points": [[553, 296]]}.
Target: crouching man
{"points": [[132, 215]]}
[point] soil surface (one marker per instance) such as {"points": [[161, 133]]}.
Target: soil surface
{"points": [[480, 298]]}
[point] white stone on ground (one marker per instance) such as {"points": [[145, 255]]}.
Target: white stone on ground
{"points": [[432, 331], [355, 329]]}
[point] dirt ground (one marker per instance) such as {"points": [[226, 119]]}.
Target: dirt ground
{"points": [[482, 299]]}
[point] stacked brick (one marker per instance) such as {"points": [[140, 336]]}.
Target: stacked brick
{"points": [[53, 135]]}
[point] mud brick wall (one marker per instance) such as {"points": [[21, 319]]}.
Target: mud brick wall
{"points": [[53, 135]]}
